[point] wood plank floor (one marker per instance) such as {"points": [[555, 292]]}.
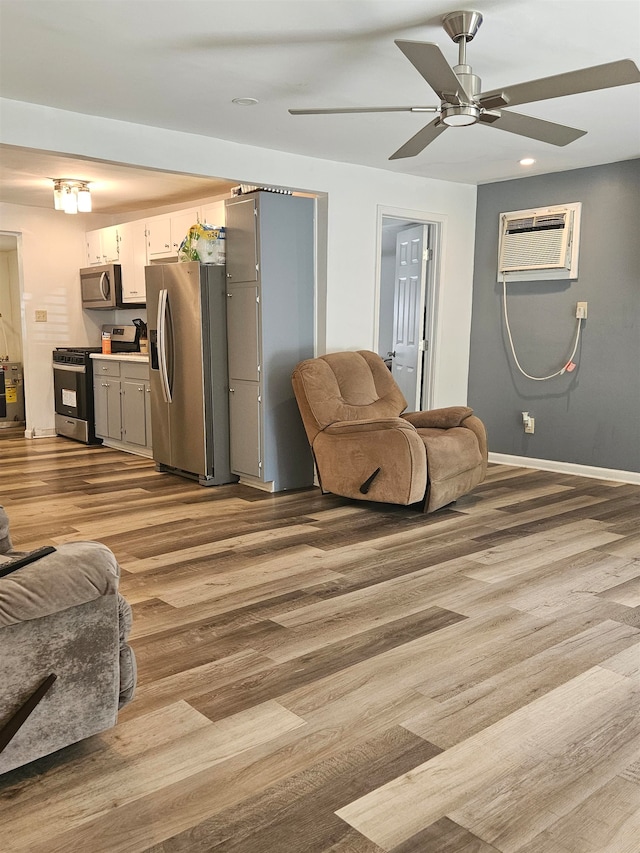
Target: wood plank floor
{"points": [[324, 676]]}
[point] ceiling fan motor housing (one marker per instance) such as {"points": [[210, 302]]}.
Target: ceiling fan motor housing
{"points": [[462, 109]]}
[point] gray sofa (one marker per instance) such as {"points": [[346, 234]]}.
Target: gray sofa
{"points": [[63, 628]]}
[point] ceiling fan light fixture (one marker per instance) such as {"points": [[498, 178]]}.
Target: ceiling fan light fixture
{"points": [[459, 116]]}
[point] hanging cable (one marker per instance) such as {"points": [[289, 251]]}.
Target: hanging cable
{"points": [[513, 349]]}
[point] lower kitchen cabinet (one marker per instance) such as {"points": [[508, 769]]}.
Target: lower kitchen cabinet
{"points": [[122, 404]]}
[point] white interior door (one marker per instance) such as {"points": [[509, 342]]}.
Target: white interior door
{"points": [[408, 312]]}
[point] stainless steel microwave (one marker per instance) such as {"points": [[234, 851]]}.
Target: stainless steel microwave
{"points": [[101, 286]]}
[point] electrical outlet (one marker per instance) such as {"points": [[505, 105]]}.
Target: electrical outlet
{"points": [[41, 316], [581, 310]]}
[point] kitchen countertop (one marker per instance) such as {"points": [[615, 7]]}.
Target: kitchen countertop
{"points": [[123, 356]]}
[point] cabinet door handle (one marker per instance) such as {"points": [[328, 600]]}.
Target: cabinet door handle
{"points": [[231, 390], [105, 384]]}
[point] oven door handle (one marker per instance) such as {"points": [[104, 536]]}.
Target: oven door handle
{"points": [[71, 368], [104, 285], [163, 306]]}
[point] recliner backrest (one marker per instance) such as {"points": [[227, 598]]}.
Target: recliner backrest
{"points": [[345, 386]]}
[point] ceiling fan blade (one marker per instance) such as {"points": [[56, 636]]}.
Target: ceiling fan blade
{"points": [[605, 76], [534, 128], [331, 111], [429, 61], [420, 141]]}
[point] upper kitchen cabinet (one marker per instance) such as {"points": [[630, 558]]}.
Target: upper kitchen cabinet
{"points": [[166, 233], [270, 328], [103, 246], [133, 259], [214, 213]]}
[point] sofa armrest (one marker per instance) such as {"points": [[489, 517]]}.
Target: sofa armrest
{"points": [[76, 573], [384, 456], [447, 418], [5, 538], [476, 426]]}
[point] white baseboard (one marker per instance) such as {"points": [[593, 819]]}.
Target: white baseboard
{"points": [[567, 468], [39, 433]]}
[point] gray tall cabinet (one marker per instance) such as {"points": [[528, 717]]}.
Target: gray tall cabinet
{"points": [[270, 327]]}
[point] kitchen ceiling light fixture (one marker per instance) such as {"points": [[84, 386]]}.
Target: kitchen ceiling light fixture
{"points": [[527, 161], [71, 196]]}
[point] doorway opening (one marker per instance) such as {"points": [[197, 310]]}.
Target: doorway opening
{"points": [[12, 414], [406, 304]]}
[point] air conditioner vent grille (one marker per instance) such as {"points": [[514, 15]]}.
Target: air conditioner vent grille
{"points": [[535, 223], [526, 250]]}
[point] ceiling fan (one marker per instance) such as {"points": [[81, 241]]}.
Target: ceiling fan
{"points": [[464, 103]]}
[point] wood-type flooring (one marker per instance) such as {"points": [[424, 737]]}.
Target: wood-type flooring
{"points": [[324, 676]]}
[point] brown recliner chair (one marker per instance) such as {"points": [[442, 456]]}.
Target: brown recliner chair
{"points": [[365, 448]]}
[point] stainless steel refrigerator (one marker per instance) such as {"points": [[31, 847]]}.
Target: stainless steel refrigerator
{"points": [[186, 313]]}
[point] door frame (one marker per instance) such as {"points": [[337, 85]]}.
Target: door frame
{"points": [[430, 295]]}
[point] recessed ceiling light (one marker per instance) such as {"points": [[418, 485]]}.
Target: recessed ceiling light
{"points": [[244, 102], [527, 161]]}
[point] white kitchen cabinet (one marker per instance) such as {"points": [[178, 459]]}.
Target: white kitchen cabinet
{"points": [[270, 286], [166, 233], [122, 404], [214, 213], [103, 246], [133, 259]]}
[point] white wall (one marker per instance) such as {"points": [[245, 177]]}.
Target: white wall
{"points": [[354, 194]]}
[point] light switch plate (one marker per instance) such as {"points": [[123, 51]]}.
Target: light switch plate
{"points": [[41, 316]]}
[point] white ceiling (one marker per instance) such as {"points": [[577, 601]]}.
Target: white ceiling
{"points": [[179, 64]]}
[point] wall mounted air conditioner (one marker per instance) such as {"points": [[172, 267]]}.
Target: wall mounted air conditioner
{"points": [[540, 244]]}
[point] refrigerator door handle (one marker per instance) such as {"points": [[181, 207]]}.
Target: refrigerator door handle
{"points": [[162, 345]]}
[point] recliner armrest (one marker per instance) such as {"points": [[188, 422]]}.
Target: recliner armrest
{"points": [[367, 425], [447, 418]]}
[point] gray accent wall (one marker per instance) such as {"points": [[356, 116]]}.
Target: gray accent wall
{"points": [[590, 416]]}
